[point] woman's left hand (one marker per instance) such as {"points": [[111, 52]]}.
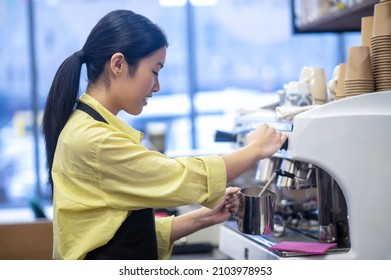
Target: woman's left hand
{"points": [[203, 217], [222, 211]]}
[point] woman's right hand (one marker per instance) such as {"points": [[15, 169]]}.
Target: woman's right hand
{"points": [[261, 143], [265, 141]]}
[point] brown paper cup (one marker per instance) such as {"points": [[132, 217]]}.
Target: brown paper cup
{"points": [[359, 65]]}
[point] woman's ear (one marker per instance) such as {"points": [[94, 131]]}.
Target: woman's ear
{"points": [[117, 63]]}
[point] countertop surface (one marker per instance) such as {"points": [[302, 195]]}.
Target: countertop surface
{"points": [[215, 254]]}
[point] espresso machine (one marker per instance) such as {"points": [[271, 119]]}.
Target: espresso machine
{"points": [[339, 160]]}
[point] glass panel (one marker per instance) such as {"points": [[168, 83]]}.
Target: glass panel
{"points": [[247, 47], [17, 172], [63, 27], [249, 44]]}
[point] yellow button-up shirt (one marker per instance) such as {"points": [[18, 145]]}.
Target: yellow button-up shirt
{"points": [[101, 173]]}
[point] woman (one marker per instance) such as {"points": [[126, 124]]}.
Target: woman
{"points": [[105, 184]]}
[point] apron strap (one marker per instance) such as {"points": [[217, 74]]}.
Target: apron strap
{"points": [[90, 111]]}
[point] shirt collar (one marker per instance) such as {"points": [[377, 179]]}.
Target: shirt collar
{"points": [[112, 119]]}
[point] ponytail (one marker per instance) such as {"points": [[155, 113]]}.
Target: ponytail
{"points": [[60, 103]]}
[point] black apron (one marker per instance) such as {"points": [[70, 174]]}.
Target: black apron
{"points": [[136, 237]]}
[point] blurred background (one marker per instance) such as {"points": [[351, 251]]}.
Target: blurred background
{"points": [[223, 54]]}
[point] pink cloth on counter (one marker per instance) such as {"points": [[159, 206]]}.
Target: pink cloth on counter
{"points": [[303, 247]]}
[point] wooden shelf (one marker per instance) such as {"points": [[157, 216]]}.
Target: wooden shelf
{"points": [[347, 20]]}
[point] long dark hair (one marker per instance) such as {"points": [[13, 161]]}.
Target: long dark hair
{"points": [[131, 34]]}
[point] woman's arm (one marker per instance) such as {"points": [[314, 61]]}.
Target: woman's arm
{"points": [[204, 217]]}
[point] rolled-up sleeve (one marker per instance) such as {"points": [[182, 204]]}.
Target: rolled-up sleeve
{"points": [[163, 235], [216, 177]]}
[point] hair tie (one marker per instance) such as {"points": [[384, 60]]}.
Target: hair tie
{"points": [[80, 56]]}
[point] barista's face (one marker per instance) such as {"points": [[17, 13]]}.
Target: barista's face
{"points": [[131, 92]]}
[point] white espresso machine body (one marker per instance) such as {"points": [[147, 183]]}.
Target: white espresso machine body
{"points": [[349, 140]]}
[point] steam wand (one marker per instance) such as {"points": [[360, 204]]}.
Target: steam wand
{"points": [[282, 173]]}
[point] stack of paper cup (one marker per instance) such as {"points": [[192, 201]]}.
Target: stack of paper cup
{"points": [[381, 46], [358, 76]]}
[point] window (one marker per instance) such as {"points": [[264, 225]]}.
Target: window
{"points": [[245, 50], [17, 171]]}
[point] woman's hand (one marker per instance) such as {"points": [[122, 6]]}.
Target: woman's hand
{"points": [[204, 217], [261, 143], [265, 140], [223, 210]]}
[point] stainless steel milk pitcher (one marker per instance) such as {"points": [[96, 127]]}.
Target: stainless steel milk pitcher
{"points": [[255, 213]]}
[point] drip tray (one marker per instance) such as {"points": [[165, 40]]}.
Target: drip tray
{"points": [[289, 235]]}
